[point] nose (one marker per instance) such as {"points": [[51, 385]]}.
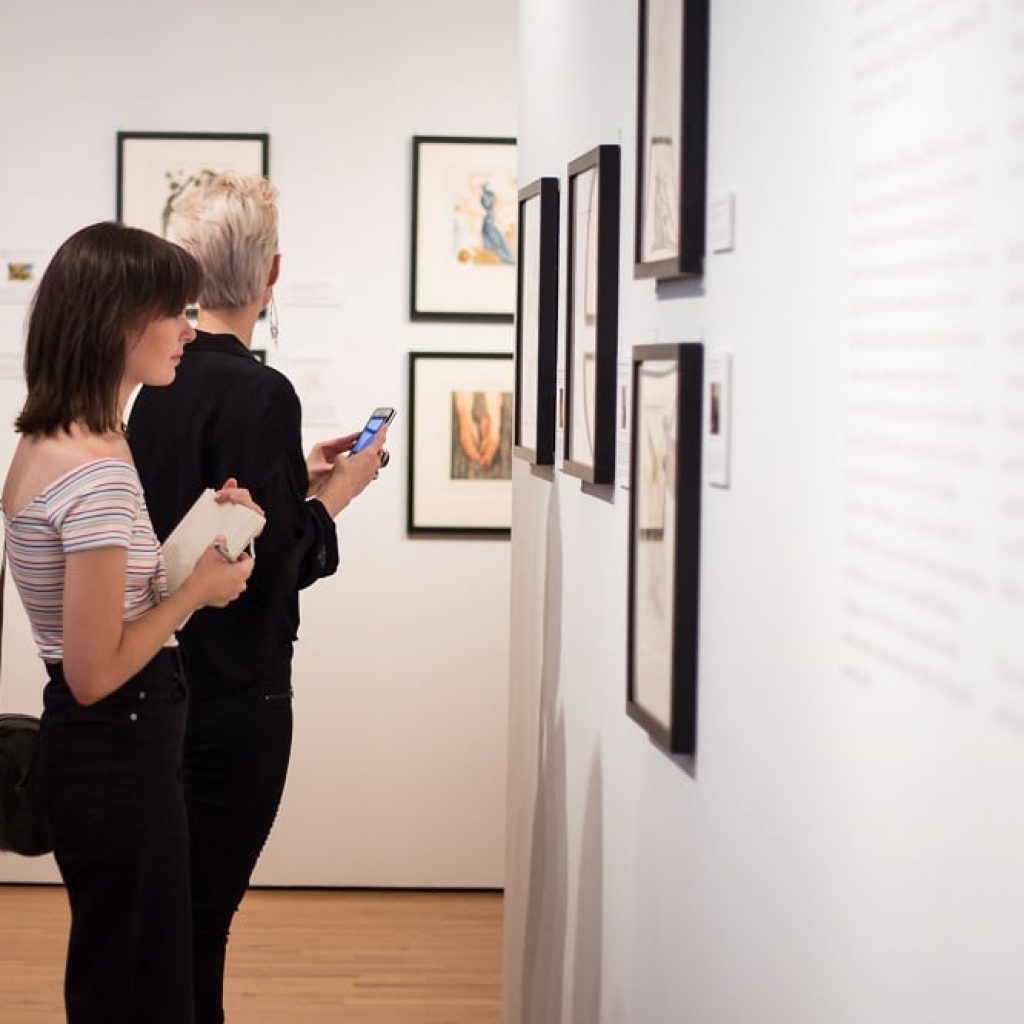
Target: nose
{"points": [[190, 333]]}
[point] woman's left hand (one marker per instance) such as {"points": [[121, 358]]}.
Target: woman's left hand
{"points": [[231, 494]]}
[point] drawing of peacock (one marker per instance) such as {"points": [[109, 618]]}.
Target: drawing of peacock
{"points": [[179, 182]]}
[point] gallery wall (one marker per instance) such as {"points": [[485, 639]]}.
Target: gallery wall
{"points": [[398, 774], [845, 846]]}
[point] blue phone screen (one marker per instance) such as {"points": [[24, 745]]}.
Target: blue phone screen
{"points": [[369, 431]]}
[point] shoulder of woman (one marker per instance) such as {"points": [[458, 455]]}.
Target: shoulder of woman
{"points": [[276, 386], [62, 453]]}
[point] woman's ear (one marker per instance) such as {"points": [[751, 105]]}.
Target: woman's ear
{"points": [[275, 270]]}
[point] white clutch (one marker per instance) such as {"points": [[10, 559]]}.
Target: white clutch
{"points": [[203, 522]]}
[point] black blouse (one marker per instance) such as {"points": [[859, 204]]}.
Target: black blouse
{"points": [[226, 414]]}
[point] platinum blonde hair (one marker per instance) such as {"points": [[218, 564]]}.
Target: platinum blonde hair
{"points": [[229, 224]]}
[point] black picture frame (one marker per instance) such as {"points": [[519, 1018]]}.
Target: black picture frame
{"points": [[537, 322], [592, 313], [447, 495], [664, 542], [671, 149], [143, 200], [463, 281]]}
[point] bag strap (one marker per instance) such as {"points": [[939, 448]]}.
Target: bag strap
{"points": [[3, 587]]}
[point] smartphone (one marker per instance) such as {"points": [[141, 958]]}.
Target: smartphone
{"points": [[380, 417]]}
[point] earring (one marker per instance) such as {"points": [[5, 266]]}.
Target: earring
{"points": [[272, 320]]}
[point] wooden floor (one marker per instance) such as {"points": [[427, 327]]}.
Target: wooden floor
{"points": [[299, 957]]}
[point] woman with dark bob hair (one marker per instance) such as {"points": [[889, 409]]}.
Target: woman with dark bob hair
{"points": [[108, 316]]}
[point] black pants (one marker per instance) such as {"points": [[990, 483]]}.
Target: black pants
{"points": [[110, 779], [236, 759]]}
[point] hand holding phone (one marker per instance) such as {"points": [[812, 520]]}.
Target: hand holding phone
{"points": [[379, 418]]}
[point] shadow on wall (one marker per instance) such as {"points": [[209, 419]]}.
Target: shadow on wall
{"points": [[679, 288], [544, 932], [586, 989]]}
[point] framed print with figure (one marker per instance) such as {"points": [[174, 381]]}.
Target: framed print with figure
{"points": [[460, 443], [537, 322], [592, 314], [671, 148], [464, 228], [155, 169], [664, 542]]}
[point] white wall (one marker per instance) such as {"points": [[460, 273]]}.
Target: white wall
{"points": [[846, 847], [401, 689]]}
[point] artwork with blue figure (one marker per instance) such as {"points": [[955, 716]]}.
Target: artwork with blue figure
{"points": [[493, 239], [485, 228]]}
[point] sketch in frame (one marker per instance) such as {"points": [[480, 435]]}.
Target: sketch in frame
{"points": [[664, 542], [655, 445], [465, 228], [671, 171], [592, 315], [460, 442], [156, 169], [537, 322]]}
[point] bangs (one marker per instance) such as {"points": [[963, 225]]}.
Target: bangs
{"points": [[169, 279]]}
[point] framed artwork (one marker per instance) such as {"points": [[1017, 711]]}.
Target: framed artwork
{"points": [[592, 315], [154, 169], [537, 322], [20, 271], [464, 228], [460, 443], [664, 542], [671, 149]]}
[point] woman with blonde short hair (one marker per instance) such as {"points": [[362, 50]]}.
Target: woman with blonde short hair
{"points": [[228, 412]]}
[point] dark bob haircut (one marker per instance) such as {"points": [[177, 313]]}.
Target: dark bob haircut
{"points": [[105, 283]]}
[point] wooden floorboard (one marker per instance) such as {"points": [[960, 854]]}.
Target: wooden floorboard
{"points": [[299, 957]]}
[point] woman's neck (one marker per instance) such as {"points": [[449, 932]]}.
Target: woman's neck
{"points": [[240, 322]]}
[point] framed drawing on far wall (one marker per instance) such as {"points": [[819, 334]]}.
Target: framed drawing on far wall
{"points": [[537, 322], [591, 333], [664, 542], [155, 169], [20, 271], [671, 149], [464, 228], [460, 443]]}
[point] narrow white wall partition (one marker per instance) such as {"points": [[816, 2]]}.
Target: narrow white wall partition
{"points": [[845, 847]]}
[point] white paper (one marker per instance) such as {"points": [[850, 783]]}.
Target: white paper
{"points": [[312, 293], [624, 385], [717, 417], [721, 222], [560, 417], [313, 379]]}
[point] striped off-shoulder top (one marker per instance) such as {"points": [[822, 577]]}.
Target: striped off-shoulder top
{"points": [[98, 504]]}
